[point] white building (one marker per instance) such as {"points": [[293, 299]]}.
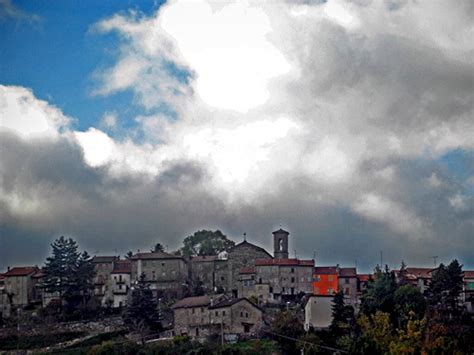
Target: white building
{"points": [[120, 282], [318, 312]]}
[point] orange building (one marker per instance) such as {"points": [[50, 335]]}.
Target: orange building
{"points": [[325, 280]]}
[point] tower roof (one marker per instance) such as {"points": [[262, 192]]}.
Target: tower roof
{"points": [[280, 231]]}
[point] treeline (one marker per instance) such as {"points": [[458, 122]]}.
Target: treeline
{"points": [[394, 318]]}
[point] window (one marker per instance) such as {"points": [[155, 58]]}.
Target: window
{"points": [[202, 309], [292, 279], [241, 314], [120, 304], [223, 313], [292, 270], [217, 313], [163, 264], [270, 289], [317, 278], [259, 280], [347, 291], [330, 291], [280, 244], [292, 290], [330, 278], [246, 315], [346, 281], [120, 278], [120, 286], [283, 290], [316, 290], [222, 278], [193, 310]]}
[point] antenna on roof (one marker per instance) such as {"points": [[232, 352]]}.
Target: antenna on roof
{"points": [[435, 258], [295, 254]]}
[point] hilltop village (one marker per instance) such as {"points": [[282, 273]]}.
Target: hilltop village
{"points": [[232, 294]]}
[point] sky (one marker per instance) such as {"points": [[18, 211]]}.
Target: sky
{"points": [[348, 123]]}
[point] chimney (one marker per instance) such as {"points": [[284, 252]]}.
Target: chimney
{"points": [[8, 268]]}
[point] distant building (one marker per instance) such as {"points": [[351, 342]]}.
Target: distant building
{"points": [[318, 312], [325, 280], [5, 307], [468, 290], [285, 278], [202, 316], [236, 316], [120, 282], [162, 271], [417, 276], [20, 285], [103, 266], [348, 284]]}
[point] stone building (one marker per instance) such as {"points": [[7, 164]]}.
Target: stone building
{"points": [[5, 306], [348, 284], [162, 271], [103, 266], [318, 312], [120, 283], [236, 316], [20, 286], [286, 278], [241, 255]]}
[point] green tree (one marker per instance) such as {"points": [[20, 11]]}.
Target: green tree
{"points": [[378, 296], [409, 304], [128, 255], [141, 313], [68, 273], [286, 326], [158, 248], [445, 286], [342, 315], [205, 242], [402, 274]]}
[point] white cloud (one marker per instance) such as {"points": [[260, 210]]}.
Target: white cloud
{"points": [[27, 116]]}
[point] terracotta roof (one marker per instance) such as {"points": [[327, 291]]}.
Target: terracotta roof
{"points": [[247, 270], [204, 258], [363, 277], [190, 302], [155, 255], [122, 267], [284, 262], [325, 270], [281, 231], [231, 302], [39, 274], [256, 247], [414, 273], [469, 274], [2, 277], [347, 272], [21, 271], [104, 259]]}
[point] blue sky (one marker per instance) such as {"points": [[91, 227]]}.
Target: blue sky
{"points": [[57, 54], [350, 124]]}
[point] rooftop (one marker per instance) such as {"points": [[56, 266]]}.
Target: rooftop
{"points": [[155, 255], [190, 302], [364, 277], [281, 231], [347, 272], [469, 274], [326, 270], [122, 267], [247, 270], [204, 258], [104, 259], [231, 302], [256, 247], [284, 262], [21, 271]]}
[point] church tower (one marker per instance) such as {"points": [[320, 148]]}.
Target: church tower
{"points": [[280, 244]]}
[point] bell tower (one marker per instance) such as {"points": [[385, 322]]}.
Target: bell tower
{"points": [[280, 244]]}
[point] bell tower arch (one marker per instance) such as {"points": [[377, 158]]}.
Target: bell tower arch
{"points": [[280, 244]]}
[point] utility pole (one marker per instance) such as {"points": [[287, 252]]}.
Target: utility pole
{"points": [[381, 259]]}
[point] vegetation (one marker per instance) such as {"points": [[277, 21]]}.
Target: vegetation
{"points": [[14, 342], [206, 242], [69, 274], [141, 313]]}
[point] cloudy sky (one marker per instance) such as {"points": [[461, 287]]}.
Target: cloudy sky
{"points": [[350, 123]]}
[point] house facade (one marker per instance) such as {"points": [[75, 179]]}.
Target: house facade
{"points": [[20, 285], [318, 312], [120, 282]]}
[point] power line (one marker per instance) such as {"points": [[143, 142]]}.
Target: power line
{"points": [[306, 342]]}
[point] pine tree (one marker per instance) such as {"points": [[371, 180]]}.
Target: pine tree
{"points": [[141, 312], [342, 314], [68, 273], [402, 275]]}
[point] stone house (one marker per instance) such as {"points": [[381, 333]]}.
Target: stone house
{"points": [[286, 278], [103, 266], [318, 312], [468, 290], [348, 284], [120, 283], [241, 255], [191, 316], [236, 316], [162, 271], [20, 286], [5, 306]]}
